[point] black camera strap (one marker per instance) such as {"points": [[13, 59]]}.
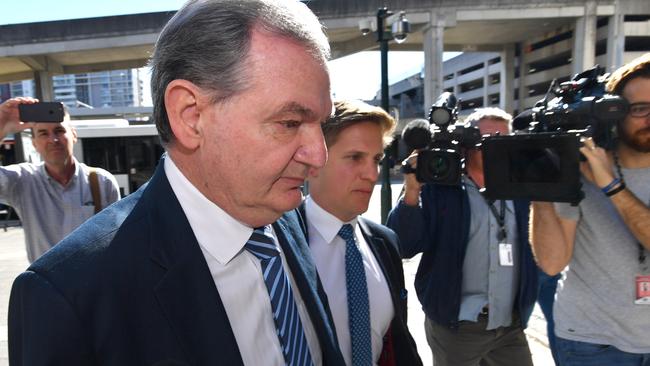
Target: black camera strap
{"points": [[500, 215], [642, 256], [501, 218]]}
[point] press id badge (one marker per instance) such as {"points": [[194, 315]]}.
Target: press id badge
{"points": [[505, 255], [642, 290]]}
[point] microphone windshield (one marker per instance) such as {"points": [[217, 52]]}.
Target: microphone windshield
{"points": [[417, 134], [523, 120]]}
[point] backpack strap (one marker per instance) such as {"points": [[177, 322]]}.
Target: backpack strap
{"points": [[94, 189]]}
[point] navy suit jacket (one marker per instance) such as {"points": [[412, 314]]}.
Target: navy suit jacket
{"points": [[399, 346], [131, 287], [439, 229]]}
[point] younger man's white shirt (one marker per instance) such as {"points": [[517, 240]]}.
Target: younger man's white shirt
{"points": [[328, 252]]}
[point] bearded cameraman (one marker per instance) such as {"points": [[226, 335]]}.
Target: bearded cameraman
{"points": [[602, 306]]}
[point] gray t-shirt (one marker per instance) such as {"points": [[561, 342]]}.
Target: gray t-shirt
{"points": [[595, 299], [48, 210]]}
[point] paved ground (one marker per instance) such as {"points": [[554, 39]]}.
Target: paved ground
{"points": [[13, 261]]}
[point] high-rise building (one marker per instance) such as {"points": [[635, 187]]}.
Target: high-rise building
{"points": [[23, 88], [476, 78], [5, 92], [115, 88]]}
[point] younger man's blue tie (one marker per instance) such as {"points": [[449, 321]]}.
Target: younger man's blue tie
{"points": [[358, 306]]}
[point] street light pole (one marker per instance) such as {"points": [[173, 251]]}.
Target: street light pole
{"points": [[386, 192]]}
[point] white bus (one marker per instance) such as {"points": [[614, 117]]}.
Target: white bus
{"points": [[129, 152]]}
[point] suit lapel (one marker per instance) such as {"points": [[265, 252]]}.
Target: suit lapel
{"points": [[305, 275], [186, 292], [399, 347], [380, 251]]}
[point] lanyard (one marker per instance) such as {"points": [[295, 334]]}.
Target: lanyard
{"points": [[642, 256], [501, 218]]}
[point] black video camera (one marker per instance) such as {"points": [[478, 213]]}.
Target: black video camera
{"points": [[581, 106], [440, 142], [541, 162]]}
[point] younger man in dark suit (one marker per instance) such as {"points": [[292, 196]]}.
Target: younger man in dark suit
{"points": [[357, 260]]}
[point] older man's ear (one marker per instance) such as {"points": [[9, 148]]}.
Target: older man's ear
{"points": [[182, 102]]}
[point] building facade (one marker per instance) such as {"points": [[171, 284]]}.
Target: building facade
{"points": [[114, 88], [477, 78]]}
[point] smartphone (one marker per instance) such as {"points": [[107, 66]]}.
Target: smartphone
{"points": [[41, 112]]}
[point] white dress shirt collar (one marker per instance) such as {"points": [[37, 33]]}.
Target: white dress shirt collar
{"points": [[208, 221], [237, 275], [328, 251], [326, 224]]}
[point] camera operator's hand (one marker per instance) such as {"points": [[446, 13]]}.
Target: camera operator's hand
{"points": [[598, 167], [411, 185], [9, 118], [634, 212]]}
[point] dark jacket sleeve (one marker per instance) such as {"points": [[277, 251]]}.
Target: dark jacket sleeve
{"points": [[43, 328], [410, 224], [388, 255], [399, 345], [406, 352]]}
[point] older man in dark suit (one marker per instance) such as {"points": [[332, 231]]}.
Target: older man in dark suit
{"points": [[201, 266], [357, 260]]}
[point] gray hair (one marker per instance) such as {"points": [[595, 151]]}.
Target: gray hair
{"points": [[207, 42], [491, 113]]}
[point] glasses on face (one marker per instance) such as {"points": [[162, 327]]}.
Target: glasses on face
{"points": [[639, 110]]}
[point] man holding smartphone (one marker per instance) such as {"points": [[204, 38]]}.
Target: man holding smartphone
{"points": [[55, 196]]}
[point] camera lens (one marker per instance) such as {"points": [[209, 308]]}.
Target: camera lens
{"points": [[439, 166], [440, 116]]}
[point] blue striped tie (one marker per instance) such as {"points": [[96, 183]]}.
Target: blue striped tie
{"points": [[358, 307], [285, 313]]}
